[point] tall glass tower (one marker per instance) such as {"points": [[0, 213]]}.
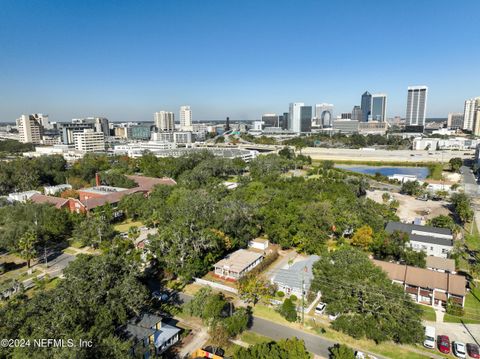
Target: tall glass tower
{"points": [[366, 106], [416, 106], [379, 107]]}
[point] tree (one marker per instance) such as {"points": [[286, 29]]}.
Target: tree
{"points": [[252, 288], [363, 237], [386, 197], [288, 310], [462, 206], [443, 221], [133, 233], [341, 351], [368, 303], [237, 322], [27, 244], [455, 164], [292, 348], [412, 188]]}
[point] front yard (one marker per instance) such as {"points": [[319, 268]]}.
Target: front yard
{"points": [[472, 309]]}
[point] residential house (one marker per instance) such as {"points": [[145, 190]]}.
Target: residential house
{"points": [[438, 264], [292, 279], [150, 335], [426, 286], [237, 264], [433, 241]]}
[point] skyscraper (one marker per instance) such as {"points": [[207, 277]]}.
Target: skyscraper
{"points": [[379, 107], [470, 110], [185, 118], [164, 121], [306, 119], [294, 123], [30, 128], [416, 107], [455, 121], [270, 120], [357, 113], [323, 114], [366, 106]]}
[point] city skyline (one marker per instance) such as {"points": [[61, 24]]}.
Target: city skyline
{"points": [[112, 59]]}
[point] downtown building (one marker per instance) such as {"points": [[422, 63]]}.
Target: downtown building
{"points": [[294, 119], [455, 121], [366, 106], [416, 108], [379, 108], [186, 118], [89, 141], [471, 116], [164, 121], [323, 115], [30, 128]]}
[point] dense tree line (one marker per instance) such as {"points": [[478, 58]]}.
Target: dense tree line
{"points": [[98, 294], [15, 147], [283, 349], [368, 303]]}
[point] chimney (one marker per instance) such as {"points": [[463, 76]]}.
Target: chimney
{"points": [[97, 179]]}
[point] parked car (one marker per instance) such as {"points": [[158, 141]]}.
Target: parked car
{"points": [[160, 296], [459, 349], [333, 316], [362, 355], [443, 343], [320, 308], [429, 341], [473, 350]]}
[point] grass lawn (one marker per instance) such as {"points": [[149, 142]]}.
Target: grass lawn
{"points": [[472, 309], [124, 226], [388, 349], [253, 338], [70, 251], [428, 313], [472, 241]]}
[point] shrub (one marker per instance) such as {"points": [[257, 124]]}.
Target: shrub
{"points": [[280, 294], [288, 310], [293, 298]]}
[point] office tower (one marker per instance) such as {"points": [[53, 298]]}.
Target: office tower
{"points": [[271, 120], [455, 121], [186, 118], [227, 124], [89, 141], [101, 124], [306, 119], [69, 130], [416, 108], [357, 113], [164, 121], [284, 121], [294, 116], [471, 106], [30, 129], [476, 122], [366, 106], [324, 114], [346, 116], [379, 107]]}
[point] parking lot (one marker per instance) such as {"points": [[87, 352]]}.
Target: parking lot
{"points": [[469, 333]]}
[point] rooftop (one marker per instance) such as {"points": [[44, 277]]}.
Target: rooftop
{"points": [[149, 182], [238, 260], [441, 263], [56, 201], [293, 276], [409, 228], [104, 190], [420, 277]]}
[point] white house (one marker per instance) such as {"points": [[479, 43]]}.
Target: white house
{"points": [[433, 241]]}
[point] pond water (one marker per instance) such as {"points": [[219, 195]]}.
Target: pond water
{"points": [[420, 172]]}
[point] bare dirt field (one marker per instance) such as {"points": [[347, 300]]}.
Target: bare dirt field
{"points": [[411, 208]]}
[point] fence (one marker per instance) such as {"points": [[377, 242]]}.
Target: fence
{"points": [[216, 285]]}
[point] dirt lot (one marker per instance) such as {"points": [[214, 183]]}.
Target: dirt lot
{"points": [[411, 208]]}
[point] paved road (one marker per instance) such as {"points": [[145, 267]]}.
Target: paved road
{"points": [[314, 344]]}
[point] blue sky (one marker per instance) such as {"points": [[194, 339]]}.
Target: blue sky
{"points": [[127, 59]]}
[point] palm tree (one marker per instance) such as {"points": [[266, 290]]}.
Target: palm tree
{"points": [[26, 245]]}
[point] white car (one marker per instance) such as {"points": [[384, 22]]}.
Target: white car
{"points": [[429, 341], [333, 316], [459, 349], [320, 308]]}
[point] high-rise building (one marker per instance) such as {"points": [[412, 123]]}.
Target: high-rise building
{"points": [[89, 141], [101, 125], [416, 107], [323, 114], [366, 106], [271, 120], [164, 121], [186, 118], [476, 123], [306, 119], [379, 107], [357, 113], [284, 121], [294, 121], [455, 121], [30, 128], [470, 110]]}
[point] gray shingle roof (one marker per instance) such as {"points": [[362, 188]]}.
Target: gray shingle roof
{"points": [[292, 277], [408, 228], [431, 240]]}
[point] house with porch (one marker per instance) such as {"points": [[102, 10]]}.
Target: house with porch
{"points": [[426, 286], [150, 335], [235, 265]]}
